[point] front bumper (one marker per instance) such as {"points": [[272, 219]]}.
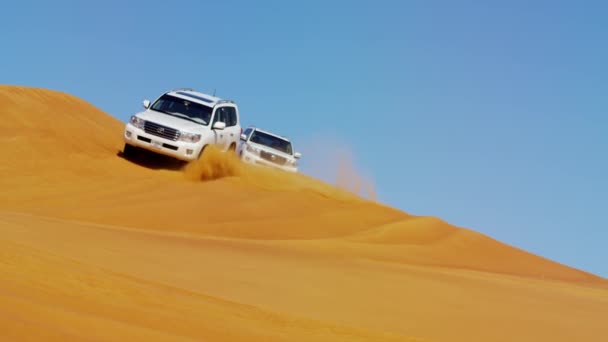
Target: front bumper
{"points": [[252, 158], [177, 149]]}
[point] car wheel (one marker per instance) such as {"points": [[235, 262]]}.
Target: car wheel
{"points": [[129, 151]]}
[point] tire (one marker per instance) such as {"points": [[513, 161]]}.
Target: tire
{"points": [[232, 148], [129, 151]]}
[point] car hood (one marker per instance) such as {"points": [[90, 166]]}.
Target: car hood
{"points": [[171, 121], [273, 151]]}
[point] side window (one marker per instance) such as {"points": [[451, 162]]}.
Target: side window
{"points": [[232, 116], [229, 116], [248, 132], [220, 115]]}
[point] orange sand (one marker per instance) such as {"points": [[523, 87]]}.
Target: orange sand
{"points": [[95, 247]]}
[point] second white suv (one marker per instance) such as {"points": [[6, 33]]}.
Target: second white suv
{"points": [[181, 123], [265, 148]]}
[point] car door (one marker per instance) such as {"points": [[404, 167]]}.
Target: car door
{"points": [[233, 129], [220, 134]]}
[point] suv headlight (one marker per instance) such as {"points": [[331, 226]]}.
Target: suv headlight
{"points": [[189, 137], [253, 149], [137, 122]]}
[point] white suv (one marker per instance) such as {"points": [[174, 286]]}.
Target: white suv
{"points": [[265, 148], [181, 123]]}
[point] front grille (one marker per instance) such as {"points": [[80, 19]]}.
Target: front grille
{"points": [[273, 158], [161, 131]]}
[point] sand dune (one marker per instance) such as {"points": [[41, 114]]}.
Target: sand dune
{"points": [[97, 247]]}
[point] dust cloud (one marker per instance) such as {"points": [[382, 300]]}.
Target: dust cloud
{"points": [[214, 164], [331, 160]]}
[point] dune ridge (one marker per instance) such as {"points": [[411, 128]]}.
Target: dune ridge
{"points": [[287, 257]]}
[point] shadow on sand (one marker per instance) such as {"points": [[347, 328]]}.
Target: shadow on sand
{"points": [[153, 160]]}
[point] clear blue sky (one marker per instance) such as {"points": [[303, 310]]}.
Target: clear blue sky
{"points": [[491, 116]]}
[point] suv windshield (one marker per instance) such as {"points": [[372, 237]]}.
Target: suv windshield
{"points": [[271, 141], [183, 108]]}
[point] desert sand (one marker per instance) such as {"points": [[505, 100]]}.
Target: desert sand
{"points": [[94, 247]]}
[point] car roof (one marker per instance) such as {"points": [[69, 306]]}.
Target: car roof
{"points": [[198, 97], [270, 133]]}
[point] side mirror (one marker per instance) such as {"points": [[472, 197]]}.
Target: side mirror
{"points": [[146, 104], [243, 137], [297, 155], [219, 125]]}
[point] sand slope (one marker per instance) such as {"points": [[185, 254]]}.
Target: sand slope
{"points": [[96, 247]]}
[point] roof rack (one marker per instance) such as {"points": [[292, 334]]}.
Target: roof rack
{"points": [[224, 101], [186, 89]]}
